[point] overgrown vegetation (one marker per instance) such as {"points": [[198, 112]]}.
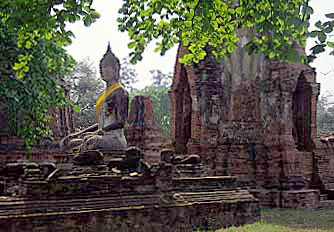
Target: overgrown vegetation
{"points": [[290, 220], [198, 24], [33, 60], [33, 36]]}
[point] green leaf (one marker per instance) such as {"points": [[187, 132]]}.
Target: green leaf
{"points": [[331, 15], [87, 21], [94, 14], [76, 108], [314, 34], [318, 49], [48, 36], [322, 37], [28, 44], [318, 24], [132, 44], [18, 66], [330, 44]]}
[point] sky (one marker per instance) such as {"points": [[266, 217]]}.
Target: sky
{"points": [[92, 42]]}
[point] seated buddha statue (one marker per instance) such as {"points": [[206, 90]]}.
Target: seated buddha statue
{"points": [[111, 113]]}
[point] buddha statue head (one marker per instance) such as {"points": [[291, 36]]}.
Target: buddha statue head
{"points": [[109, 66]]}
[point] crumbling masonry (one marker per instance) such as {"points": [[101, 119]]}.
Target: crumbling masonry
{"points": [[254, 118]]}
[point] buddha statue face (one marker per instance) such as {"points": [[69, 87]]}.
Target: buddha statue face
{"points": [[109, 66]]}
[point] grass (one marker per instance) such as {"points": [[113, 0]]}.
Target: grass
{"points": [[290, 220]]}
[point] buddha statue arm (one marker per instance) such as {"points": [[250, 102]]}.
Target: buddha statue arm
{"points": [[64, 142]]}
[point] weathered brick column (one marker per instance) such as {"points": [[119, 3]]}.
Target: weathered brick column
{"points": [[143, 131]]}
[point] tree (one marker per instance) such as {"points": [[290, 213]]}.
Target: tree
{"points": [[33, 35], [85, 87], [29, 99], [322, 35], [33, 59], [325, 113], [160, 78], [128, 75], [201, 24]]}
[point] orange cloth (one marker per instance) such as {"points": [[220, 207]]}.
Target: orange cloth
{"points": [[104, 95]]}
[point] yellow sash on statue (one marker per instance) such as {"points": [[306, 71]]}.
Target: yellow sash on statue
{"points": [[104, 95]]}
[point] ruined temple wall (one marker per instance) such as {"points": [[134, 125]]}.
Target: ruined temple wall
{"points": [[324, 160], [195, 105], [240, 127], [261, 114], [246, 114], [12, 148], [307, 165]]}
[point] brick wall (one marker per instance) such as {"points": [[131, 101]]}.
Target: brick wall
{"points": [[143, 131], [255, 115]]}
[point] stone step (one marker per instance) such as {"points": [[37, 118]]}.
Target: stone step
{"points": [[215, 196], [323, 197], [17, 207], [328, 204], [329, 193]]}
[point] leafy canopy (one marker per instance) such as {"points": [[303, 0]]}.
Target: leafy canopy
{"points": [[197, 24], [33, 35], [324, 29], [33, 59]]}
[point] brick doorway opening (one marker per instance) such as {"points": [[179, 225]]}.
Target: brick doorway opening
{"points": [[183, 114], [301, 106]]}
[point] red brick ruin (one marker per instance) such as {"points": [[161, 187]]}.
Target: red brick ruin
{"points": [[240, 128], [104, 189], [254, 118], [143, 131]]}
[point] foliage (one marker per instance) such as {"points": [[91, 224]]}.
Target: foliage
{"points": [[160, 99], [85, 87], [160, 78], [325, 113], [128, 75], [32, 37], [29, 99], [322, 34], [201, 23]]}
